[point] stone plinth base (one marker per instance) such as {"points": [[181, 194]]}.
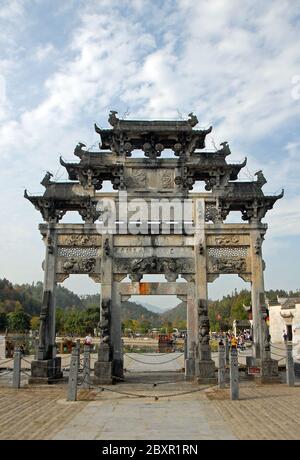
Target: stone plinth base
{"points": [[46, 371], [103, 373], [206, 372], [269, 371], [250, 361], [189, 368], [117, 369]]}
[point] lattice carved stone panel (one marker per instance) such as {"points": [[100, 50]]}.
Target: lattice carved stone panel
{"points": [[84, 253], [154, 265], [228, 252], [228, 260]]}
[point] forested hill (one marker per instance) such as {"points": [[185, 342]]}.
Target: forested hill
{"points": [[222, 312], [27, 298]]}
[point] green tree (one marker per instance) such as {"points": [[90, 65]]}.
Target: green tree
{"points": [[145, 326], [3, 321], [19, 321], [35, 323]]}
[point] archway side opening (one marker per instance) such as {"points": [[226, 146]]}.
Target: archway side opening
{"points": [[77, 313], [229, 310]]}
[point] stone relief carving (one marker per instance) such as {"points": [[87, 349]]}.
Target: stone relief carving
{"points": [[44, 317], [257, 246], [228, 265], [104, 324], [167, 179], [203, 322], [75, 265], [185, 181], [138, 178], [106, 247], [79, 240], [171, 267], [89, 212], [50, 245], [212, 213], [227, 239]]}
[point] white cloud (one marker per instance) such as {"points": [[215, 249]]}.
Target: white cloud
{"points": [[43, 52], [231, 65]]}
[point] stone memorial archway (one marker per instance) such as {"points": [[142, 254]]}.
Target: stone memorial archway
{"points": [[191, 239]]}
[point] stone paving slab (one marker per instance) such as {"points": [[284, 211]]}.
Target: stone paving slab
{"points": [[263, 412], [178, 419]]}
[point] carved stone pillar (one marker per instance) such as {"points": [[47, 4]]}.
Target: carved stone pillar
{"points": [[116, 332], [103, 366], [47, 367], [205, 367], [257, 293], [192, 336], [261, 345]]}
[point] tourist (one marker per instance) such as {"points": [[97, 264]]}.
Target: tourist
{"points": [[22, 350], [285, 337], [88, 341], [233, 342]]}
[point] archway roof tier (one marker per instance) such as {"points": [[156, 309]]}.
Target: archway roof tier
{"points": [[63, 197], [107, 170], [152, 136]]}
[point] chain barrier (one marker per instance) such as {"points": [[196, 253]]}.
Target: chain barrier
{"points": [[147, 354], [156, 397], [162, 362], [26, 373], [7, 361], [276, 354], [278, 348], [10, 371], [26, 361]]}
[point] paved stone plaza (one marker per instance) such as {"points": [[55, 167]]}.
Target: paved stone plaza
{"points": [[263, 412]]}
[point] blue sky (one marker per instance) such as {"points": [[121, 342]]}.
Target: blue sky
{"points": [[64, 65]]}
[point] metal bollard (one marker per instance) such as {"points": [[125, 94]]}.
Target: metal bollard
{"points": [[221, 368], [226, 351], [86, 367], [73, 376], [234, 374], [16, 381], [290, 371]]}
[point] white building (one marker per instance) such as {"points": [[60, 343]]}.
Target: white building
{"points": [[285, 317]]}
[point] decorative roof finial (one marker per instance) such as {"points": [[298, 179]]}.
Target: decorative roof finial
{"points": [[193, 120], [46, 179], [112, 119], [261, 180]]}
